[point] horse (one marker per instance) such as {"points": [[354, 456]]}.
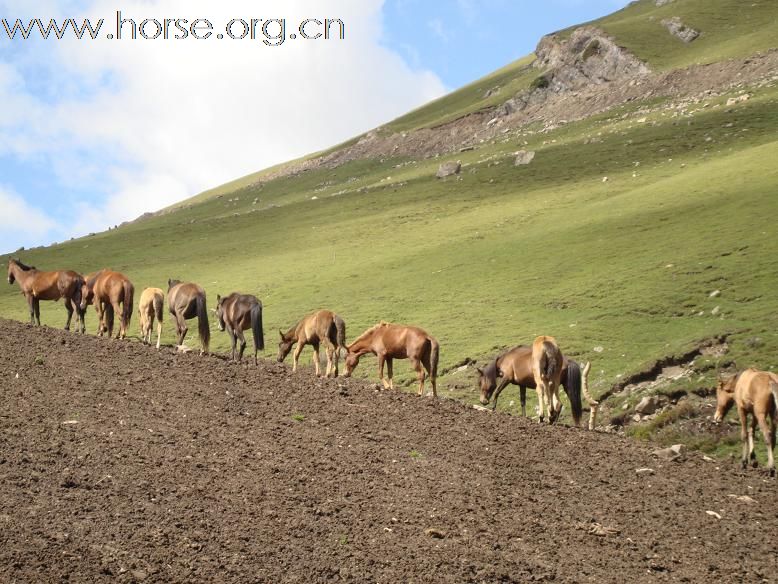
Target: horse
{"points": [[756, 393], [151, 306], [112, 293], [321, 326], [394, 341], [186, 300], [515, 366], [547, 372], [237, 313], [37, 286]]}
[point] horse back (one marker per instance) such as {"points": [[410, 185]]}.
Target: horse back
{"points": [[753, 392]]}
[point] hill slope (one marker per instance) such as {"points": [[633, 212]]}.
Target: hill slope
{"points": [[621, 270]]}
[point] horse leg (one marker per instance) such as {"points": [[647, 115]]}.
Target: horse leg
{"points": [[555, 403], [381, 361], [503, 384], [296, 355], [182, 328], [32, 309], [37, 306], [233, 341], [541, 391], [769, 439], [390, 371], [242, 338], [523, 398], [417, 367], [159, 333], [316, 359], [426, 362], [751, 449], [330, 351], [69, 308], [116, 311]]}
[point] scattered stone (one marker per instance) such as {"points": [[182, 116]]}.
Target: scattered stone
{"points": [[605, 179], [679, 30], [713, 514], [663, 2], [598, 349], [648, 405], [739, 99], [707, 458], [435, 533], [644, 471], [636, 418], [743, 499], [69, 422], [449, 169], [674, 453], [524, 157], [493, 91], [715, 294], [716, 311]]}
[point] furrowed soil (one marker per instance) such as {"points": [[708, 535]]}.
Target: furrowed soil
{"points": [[119, 462]]}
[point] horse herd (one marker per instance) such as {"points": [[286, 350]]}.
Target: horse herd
{"points": [[541, 366]]}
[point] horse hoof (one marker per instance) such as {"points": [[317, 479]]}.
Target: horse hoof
{"points": [[754, 464]]}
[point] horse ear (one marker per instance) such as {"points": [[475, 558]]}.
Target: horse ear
{"points": [[218, 298], [480, 371], [281, 333]]}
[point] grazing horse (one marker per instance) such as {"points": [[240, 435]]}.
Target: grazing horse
{"points": [[186, 300], [112, 293], [515, 366], [756, 393], [323, 326], [151, 306], [547, 371], [237, 313], [37, 286], [393, 341]]}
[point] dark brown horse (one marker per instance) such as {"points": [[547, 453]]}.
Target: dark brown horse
{"points": [[112, 293], [393, 341], [186, 300], [322, 326], [37, 286], [237, 313], [756, 393]]}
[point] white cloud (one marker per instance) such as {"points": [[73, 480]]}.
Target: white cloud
{"points": [[152, 122], [19, 219]]}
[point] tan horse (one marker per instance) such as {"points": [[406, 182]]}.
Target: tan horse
{"points": [[186, 300], [112, 294], [547, 372], [393, 341], [151, 306], [237, 313], [756, 393], [37, 286], [323, 326]]}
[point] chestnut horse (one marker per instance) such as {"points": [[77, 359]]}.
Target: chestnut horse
{"points": [[323, 326], [515, 366], [393, 341], [186, 300], [547, 372], [151, 306], [756, 393], [237, 313], [37, 286], [112, 293]]}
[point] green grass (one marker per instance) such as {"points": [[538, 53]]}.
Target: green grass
{"points": [[504, 253]]}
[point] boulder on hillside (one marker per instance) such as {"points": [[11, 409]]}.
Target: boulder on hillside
{"points": [[449, 169], [647, 406], [524, 157], [678, 29], [663, 2]]}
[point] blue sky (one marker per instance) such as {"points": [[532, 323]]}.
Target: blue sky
{"points": [[95, 133]]}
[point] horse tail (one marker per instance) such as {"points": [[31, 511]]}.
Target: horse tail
{"points": [[129, 293], [340, 326], [256, 327], [159, 308], [434, 357], [573, 389], [549, 354], [774, 390], [202, 322]]}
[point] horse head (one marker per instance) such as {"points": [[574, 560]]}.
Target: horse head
{"points": [[284, 346], [87, 294], [11, 276], [171, 283], [725, 397], [487, 382], [220, 312], [352, 360]]}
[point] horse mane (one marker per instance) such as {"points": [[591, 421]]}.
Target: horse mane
{"points": [[91, 281], [24, 267], [370, 331]]}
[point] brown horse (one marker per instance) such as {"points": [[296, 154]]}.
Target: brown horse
{"points": [[237, 313], [112, 293], [515, 366], [186, 300], [323, 326], [37, 286], [151, 306], [393, 341], [547, 371], [756, 393]]}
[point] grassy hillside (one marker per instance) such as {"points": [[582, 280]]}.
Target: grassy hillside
{"points": [[620, 271]]}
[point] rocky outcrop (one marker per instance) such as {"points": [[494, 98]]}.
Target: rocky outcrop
{"points": [[524, 157], [449, 169], [678, 29]]}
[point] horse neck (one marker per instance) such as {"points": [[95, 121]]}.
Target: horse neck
{"points": [[363, 344], [291, 334], [22, 276]]}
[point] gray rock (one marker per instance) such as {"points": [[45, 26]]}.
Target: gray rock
{"points": [[449, 169], [524, 157], [674, 453], [715, 294], [679, 30], [648, 405], [644, 471], [663, 2]]}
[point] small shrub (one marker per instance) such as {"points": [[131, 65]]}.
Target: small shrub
{"points": [[39, 360], [298, 417], [415, 454], [540, 82], [592, 49]]}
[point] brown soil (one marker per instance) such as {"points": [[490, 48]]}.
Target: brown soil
{"points": [[120, 462]]}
